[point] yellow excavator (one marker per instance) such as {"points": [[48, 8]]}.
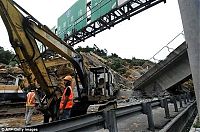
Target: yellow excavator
{"points": [[26, 34]]}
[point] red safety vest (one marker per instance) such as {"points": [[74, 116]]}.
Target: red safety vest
{"points": [[70, 102], [30, 99]]}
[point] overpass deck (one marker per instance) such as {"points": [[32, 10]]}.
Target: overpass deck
{"points": [[167, 73]]}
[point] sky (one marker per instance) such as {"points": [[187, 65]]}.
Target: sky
{"points": [[140, 37]]}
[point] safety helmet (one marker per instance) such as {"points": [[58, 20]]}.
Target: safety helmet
{"points": [[68, 78]]}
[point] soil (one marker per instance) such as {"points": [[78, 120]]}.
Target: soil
{"points": [[19, 121]]}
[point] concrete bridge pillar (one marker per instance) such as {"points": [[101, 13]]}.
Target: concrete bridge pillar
{"points": [[190, 14]]}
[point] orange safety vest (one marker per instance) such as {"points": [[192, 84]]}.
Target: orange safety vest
{"points": [[69, 104], [30, 99]]}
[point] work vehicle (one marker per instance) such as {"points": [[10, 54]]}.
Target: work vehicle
{"points": [[26, 34], [10, 90]]}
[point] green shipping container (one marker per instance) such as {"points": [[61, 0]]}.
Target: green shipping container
{"points": [[73, 19], [101, 7]]}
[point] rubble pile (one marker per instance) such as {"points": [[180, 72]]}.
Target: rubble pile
{"points": [[133, 73], [122, 82], [93, 60], [133, 101], [8, 74]]}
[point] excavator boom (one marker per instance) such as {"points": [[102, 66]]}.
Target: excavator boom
{"points": [[23, 33], [26, 34]]}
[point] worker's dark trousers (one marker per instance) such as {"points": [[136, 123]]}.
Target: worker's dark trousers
{"points": [[66, 114]]}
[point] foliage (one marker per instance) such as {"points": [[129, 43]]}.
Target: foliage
{"points": [[197, 123], [6, 56], [114, 61], [117, 65], [94, 49], [114, 55]]}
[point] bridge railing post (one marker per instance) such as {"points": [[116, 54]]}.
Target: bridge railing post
{"points": [[173, 100], [110, 121], [184, 99], [188, 98], [180, 101], [164, 104], [147, 109]]}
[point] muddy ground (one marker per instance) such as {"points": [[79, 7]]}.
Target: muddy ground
{"points": [[19, 121]]}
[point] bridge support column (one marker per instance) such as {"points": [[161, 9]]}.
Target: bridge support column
{"points": [[164, 104], [173, 99], [190, 14], [180, 101]]}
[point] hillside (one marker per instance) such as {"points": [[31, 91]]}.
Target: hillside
{"points": [[125, 70], [130, 69]]}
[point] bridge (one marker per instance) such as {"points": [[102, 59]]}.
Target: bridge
{"points": [[166, 74]]}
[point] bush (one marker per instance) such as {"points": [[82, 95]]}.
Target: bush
{"points": [[6, 56]]}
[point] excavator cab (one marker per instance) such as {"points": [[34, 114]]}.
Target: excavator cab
{"points": [[100, 84]]}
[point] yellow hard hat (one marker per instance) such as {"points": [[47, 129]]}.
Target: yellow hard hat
{"points": [[68, 77]]}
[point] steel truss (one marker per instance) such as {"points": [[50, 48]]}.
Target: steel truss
{"points": [[115, 16]]}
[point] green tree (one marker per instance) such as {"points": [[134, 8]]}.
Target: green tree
{"points": [[6, 56], [137, 62], [94, 49], [114, 55]]}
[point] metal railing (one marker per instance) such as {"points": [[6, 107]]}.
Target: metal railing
{"points": [[108, 119], [170, 46], [164, 51]]}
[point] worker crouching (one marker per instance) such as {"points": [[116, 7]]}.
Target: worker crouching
{"points": [[66, 102]]}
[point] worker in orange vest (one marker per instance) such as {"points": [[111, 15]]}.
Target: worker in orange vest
{"points": [[30, 106], [66, 102]]}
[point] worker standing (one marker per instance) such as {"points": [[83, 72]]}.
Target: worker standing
{"points": [[66, 102], [30, 106]]}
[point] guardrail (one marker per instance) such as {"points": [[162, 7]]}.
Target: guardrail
{"points": [[170, 46], [181, 121], [164, 51], [108, 119]]}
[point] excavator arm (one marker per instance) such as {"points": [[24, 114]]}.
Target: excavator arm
{"points": [[24, 45], [49, 39], [24, 31]]}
